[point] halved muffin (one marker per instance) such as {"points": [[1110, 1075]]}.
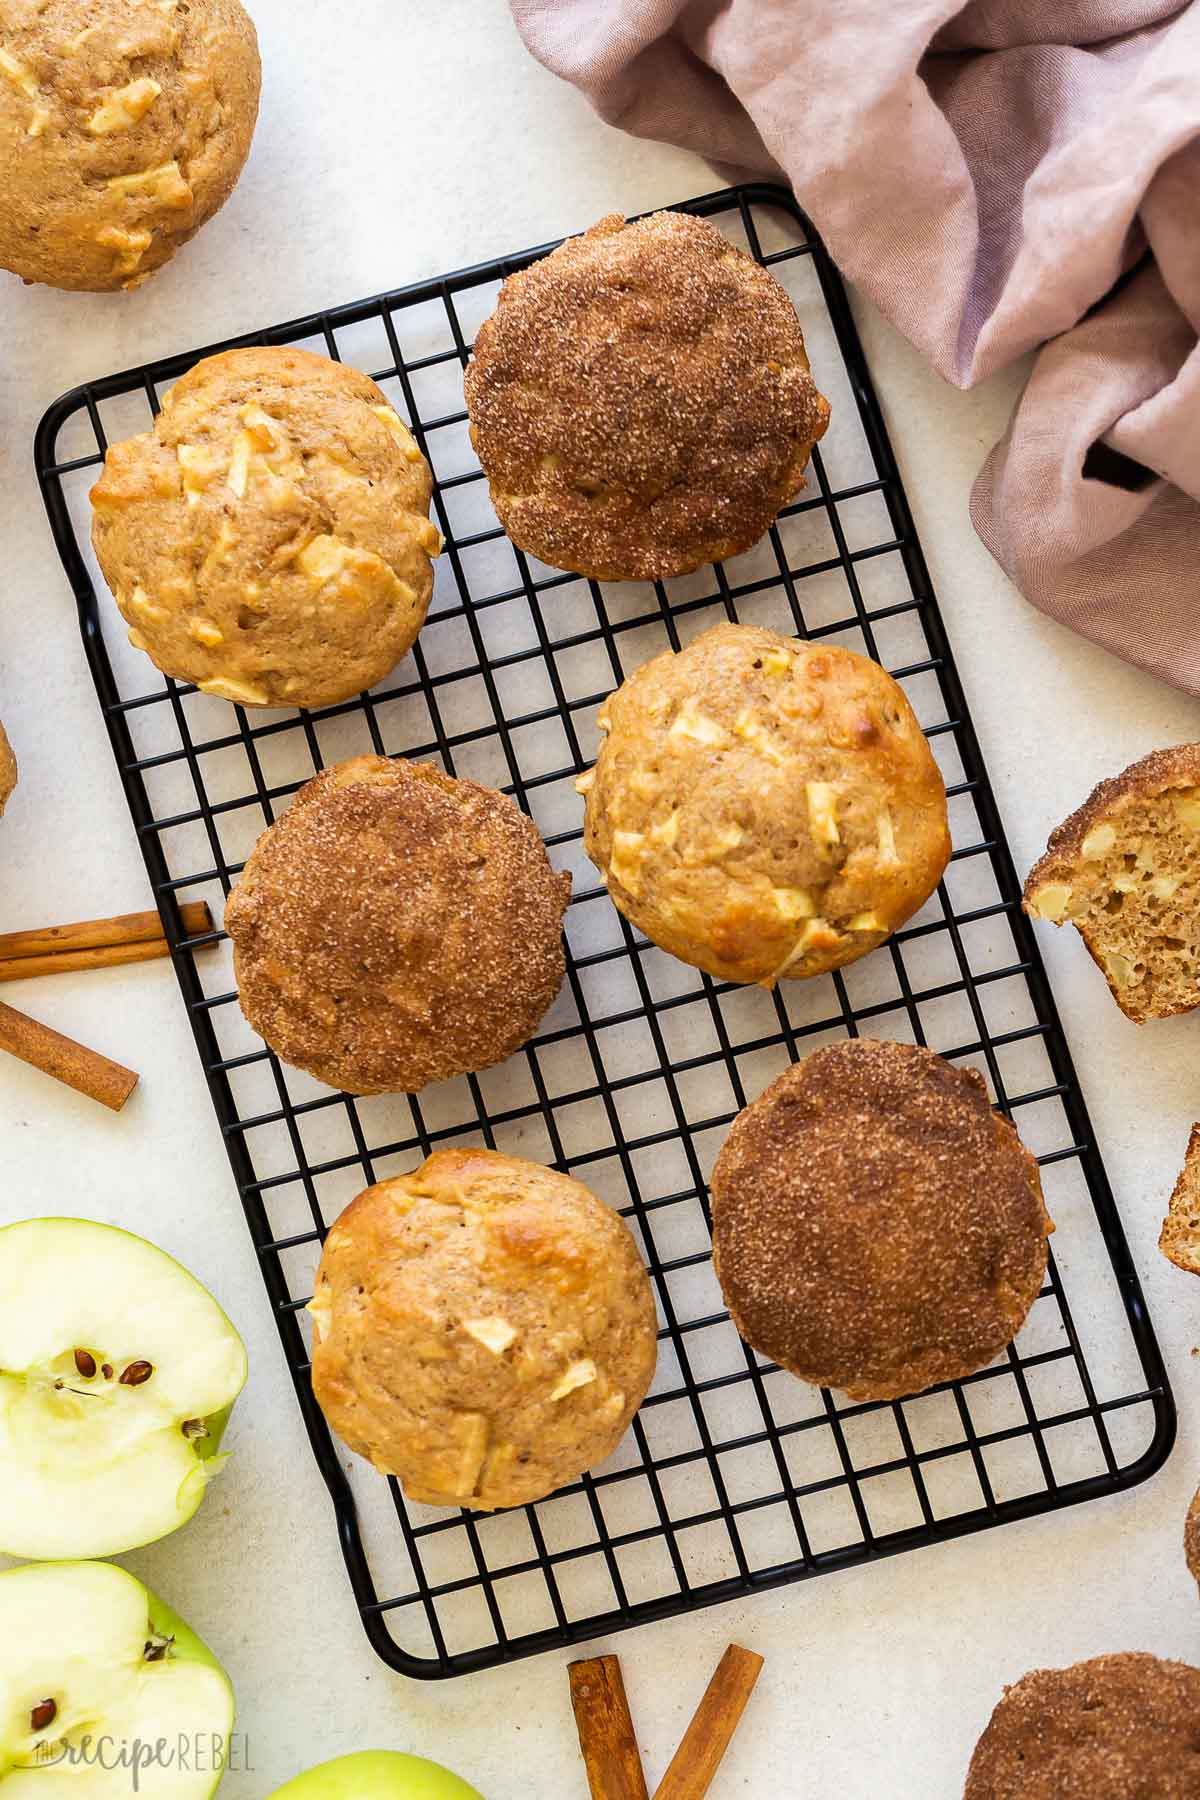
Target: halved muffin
{"points": [[1125, 871]]}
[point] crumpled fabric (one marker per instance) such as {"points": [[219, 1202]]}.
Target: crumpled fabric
{"points": [[996, 176]]}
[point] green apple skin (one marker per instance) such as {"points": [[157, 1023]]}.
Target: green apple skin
{"points": [[187, 1646], [207, 1447], [103, 1541], [377, 1775], [161, 1621]]}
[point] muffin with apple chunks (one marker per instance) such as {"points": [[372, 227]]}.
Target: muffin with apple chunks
{"points": [[396, 927], [1124, 869], [269, 539], [877, 1227], [764, 808], [641, 400], [483, 1329], [124, 125]]}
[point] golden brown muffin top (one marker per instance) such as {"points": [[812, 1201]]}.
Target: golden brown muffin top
{"points": [[123, 126], [269, 539], [877, 1227], [1191, 1536], [641, 400], [484, 1329], [1123, 1727], [763, 807], [397, 927]]}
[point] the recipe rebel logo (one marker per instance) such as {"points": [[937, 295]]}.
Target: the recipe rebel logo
{"points": [[199, 1754]]}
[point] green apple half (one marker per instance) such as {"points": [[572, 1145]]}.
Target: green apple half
{"points": [[98, 1679], [376, 1775], [117, 1375]]}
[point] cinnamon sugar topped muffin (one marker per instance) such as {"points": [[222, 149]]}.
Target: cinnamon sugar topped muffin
{"points": [[877, 1227], [396, 927], [1121, 1727], [124, 125], [641, 400]]}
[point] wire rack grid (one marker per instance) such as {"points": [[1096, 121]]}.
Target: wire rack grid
{"points": [[734, 1477]]}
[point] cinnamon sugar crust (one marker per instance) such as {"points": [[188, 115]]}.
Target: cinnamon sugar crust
{"points": [[877, 1227], [397, 927], [641, 400], [1123, 1727]]}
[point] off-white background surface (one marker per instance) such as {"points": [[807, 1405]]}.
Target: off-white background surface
{"points": [[397, 141]]}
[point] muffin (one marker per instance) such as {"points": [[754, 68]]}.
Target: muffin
{"points": [[483, 1329], [876, 1226], [124, 125], [1125, 871], [763, 807], [1179, 1239], [269, 539], [641, 401], [397, 927], [8, 769], [1191, 1537], [1116, 1728]]}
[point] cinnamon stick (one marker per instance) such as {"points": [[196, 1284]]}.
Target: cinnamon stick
{"points": [[610, 1752], [707, 1738], [95, 943], [78, 1067]]}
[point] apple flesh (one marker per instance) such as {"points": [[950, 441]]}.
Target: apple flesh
{"points": [[376, 1775], [95, 1674], [117, 1375]]}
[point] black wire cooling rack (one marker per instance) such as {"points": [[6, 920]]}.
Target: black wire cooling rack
{"points": [[735, 1476]]}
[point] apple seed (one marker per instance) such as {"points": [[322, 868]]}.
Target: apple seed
{"points": [[106, 1369], [136, 1374], [43, 1715], [194, 1430], [157, 1648], [85, 1362]]}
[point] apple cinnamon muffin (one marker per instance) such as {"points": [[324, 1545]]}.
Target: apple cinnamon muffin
{"points": [[269, 539], [641, 400], [877, 1227], [483, 1329], [1124, 869], [124, 125], [1191, 1537], [396, 927], [1109, 1729], [1179, 1239], [764, 808], [8, 769]]}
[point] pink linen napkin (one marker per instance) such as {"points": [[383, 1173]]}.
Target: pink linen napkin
{"points": [[997, 176]]}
